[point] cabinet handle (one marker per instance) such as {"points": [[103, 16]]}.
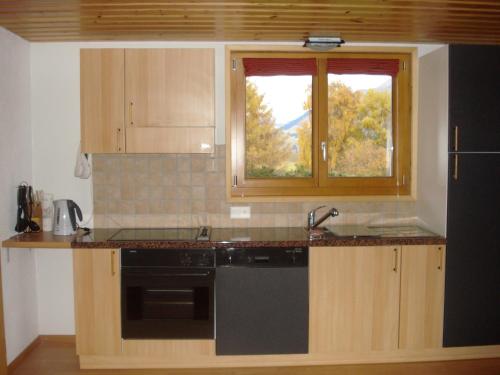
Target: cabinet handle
{"points": [[455, 167], [455, 139], [113, 263], [323, 150], [118, 139], [131, 112], [440, 252], [395, 269]]}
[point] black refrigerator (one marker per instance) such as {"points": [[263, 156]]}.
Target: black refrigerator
{"points": [[472, 286]]}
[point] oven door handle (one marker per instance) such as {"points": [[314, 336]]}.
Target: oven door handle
{"points": [[168, 274], [189, 274]]}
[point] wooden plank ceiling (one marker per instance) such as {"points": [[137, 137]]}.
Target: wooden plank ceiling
{"points": [[442, 21]]}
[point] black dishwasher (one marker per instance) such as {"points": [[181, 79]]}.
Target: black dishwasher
{"points": [[262, 301]]}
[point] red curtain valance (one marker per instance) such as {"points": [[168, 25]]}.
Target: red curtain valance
{"points": [[389, 67], [279, 66]]}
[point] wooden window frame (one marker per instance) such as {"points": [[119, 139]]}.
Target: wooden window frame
{"points": [[320, 185]]}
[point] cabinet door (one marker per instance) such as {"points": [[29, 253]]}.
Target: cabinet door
{"points": [[474, 94], [101, 100], [354, 298], [97, 301], [422, 297], [170, 87], [472, 288], [170, 100]]}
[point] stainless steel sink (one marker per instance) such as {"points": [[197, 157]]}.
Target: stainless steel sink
{"points": [[358, 231]]}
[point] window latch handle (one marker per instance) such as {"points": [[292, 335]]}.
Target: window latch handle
{"points": [[323, 150]]}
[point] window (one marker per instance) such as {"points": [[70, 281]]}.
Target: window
{"points": [[320, 124]]}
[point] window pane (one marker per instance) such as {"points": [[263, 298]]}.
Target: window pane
{"points": [[359, 125], [278, 131]]}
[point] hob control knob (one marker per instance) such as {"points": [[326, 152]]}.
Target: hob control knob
{"points": [[185, 259]]}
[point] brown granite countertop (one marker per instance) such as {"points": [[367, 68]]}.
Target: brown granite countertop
{"points": [[249, 237]]}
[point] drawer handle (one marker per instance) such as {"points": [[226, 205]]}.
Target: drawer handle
{"points": [[131, 112], [440, 265], [455, 139], [395, 268], [118, 139], [113, 272]]}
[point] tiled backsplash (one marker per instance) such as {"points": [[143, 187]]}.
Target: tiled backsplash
{"points": [[161, 190]]}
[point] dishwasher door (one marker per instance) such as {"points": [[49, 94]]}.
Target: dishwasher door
{"points": [[262, 309]]}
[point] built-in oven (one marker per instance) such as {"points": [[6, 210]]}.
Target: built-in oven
{"points": [[167, 293]]}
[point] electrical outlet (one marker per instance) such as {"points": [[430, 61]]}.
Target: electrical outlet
{"points": [[240, 212]]}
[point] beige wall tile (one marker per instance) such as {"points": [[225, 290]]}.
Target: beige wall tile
{"points": [[184, 164], [99, 207], [220, 151], [210, 165], [184, 206], [154, 180], [155, 166], [198, 206], [198, 179], [156, 207], [183, 179], [184, 221], [155, 193], [141, 207], [127, 191], [216, 192], [184, 190], [169, 192], [169, 164], [198, 192], [127, 207], [169, 179], [198, 165], [141, 192], [169, 206]]}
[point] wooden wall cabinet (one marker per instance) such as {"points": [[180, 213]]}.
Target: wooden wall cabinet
{"points": [[97, 301], [148, 100], [422, 297], [101, 100], [353, 298]]}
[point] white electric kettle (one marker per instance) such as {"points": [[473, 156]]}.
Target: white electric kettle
{"points": [[65, 212]]}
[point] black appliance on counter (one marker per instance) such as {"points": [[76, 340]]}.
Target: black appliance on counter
{"points": [[262, 301], [167, 293]]}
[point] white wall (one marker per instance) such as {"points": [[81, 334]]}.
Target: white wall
{"points": [[54, 279], [18, 266], [433, 139]]}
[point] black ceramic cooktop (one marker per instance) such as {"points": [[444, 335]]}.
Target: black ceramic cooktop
{"points": [[156, 234]]}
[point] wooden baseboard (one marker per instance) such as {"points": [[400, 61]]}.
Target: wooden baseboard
{"points": [[62, 339], [212, 361], [22, 356]]}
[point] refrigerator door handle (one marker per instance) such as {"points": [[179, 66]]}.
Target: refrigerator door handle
{"points": [[455, 167]]}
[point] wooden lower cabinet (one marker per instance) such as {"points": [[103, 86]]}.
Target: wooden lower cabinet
{"points": [[422, 297], [353, 298], [362, 300], [97, 301]]}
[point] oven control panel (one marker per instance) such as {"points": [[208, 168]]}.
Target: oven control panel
{"points": [[168, 258]]}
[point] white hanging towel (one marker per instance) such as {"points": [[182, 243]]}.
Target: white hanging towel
{"points": [[82, 166]]}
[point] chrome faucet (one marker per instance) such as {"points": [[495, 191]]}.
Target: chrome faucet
{"points": [[311, 217]]}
